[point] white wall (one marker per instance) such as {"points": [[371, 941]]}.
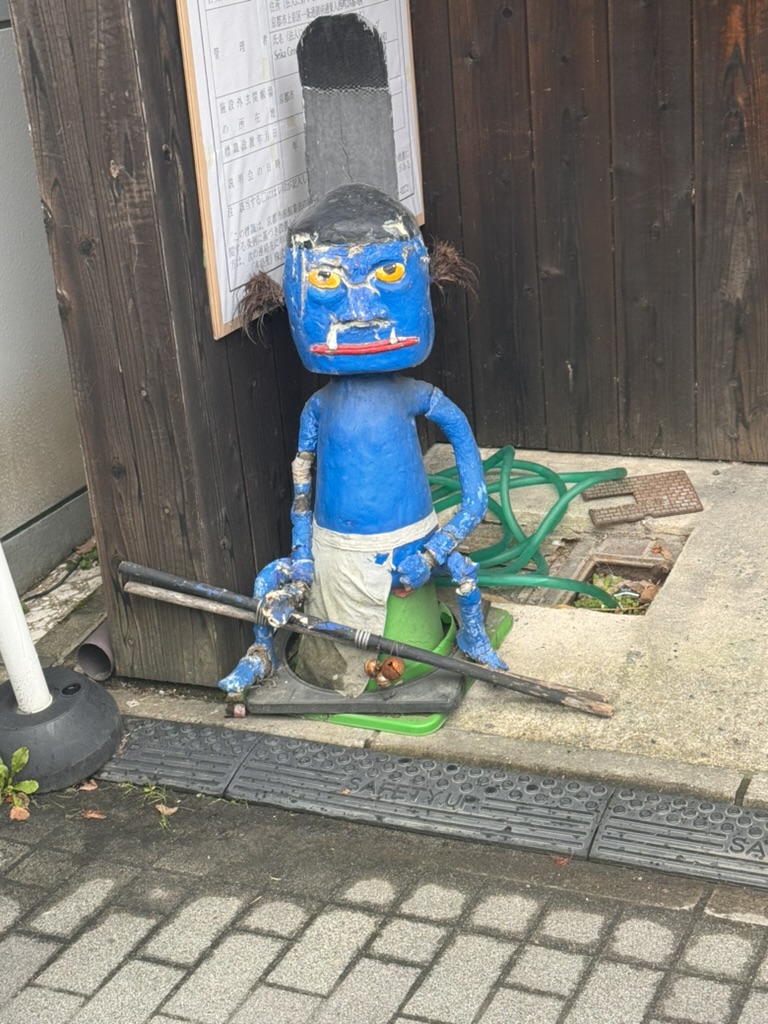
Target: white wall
{"points": [[40, 459]]}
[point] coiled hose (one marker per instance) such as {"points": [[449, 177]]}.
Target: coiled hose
{"points": [[516, 560]]}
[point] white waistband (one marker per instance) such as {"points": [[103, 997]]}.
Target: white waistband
{"points": [[378, 542]]}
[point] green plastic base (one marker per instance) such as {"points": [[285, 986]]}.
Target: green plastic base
{"points": [[498, 624]]}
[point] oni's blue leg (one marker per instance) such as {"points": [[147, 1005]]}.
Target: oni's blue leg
{"points": [[259, 660], [472, 637]]}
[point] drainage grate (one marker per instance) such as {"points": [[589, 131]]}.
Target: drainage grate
{"points": [[677, 834], [196, 758], [422, 795], [657, 495], [681, 835]]}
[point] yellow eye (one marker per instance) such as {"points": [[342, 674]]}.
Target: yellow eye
{"points": [[390, 272], [323, 277]]}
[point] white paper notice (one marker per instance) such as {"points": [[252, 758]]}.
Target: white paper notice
{"points": [[245, 97]]}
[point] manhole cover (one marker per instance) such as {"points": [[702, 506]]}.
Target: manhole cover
{"points": [[657, 495]]}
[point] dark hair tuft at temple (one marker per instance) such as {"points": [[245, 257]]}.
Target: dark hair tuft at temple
{"points": [[447, 267], [261, 295]]}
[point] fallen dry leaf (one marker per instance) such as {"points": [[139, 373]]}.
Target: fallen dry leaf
{"points": [[95, 815], [560, 862], [88, 787], [648, 593], [346, 792], [165, 811], [659, 549], [18, 814], [85, 548]]}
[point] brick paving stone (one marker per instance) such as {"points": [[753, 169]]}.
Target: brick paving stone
{"points": [[371, 992], [153, 894], [39, 1006], [44, 867], [508, 914], [618, 993], [698, 999], [66, 839], [278, 917], [21, 958], [761, 975], [460, 981], [374, 892], [131, 996], [324, 951], [512, 1007], [221, 982], [10, 853], [9, 912], [755, 1010], [83, 966], [276, 1006], [720, 952], [577, 927], [193, 930], [435, 903], [413, 941], [187, 862], [65, 916], [638, 938], [547, 970]]}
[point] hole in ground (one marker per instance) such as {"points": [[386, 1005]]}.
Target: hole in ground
{"points": [[632, 585], [632, 556]]}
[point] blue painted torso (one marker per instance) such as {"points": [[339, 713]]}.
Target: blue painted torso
{"points": [[370, 474]]}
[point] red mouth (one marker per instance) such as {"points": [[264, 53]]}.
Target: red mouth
{"points": [[366, 348]]}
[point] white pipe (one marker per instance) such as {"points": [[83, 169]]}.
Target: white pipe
{"points": [[17, 650]]}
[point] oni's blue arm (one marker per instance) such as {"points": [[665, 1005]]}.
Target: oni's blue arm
{"points": [[281, 585], [474, 494], [301, 508]]}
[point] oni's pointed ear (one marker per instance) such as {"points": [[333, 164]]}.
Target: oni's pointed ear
{"points": [[261, 295], [447, 267]]}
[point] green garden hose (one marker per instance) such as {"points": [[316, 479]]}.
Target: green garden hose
{"points": [[516, 560]]}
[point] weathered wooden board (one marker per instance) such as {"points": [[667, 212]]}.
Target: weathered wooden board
{"points": [[731, 118], [568, 45], [651, 88], [162, 447], [449, 365], [490, 71]]}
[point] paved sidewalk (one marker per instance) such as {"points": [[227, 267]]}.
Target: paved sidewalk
{"points": [[242, 914]]}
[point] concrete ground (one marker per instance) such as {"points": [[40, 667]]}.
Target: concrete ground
{"points": [[687, 679]]}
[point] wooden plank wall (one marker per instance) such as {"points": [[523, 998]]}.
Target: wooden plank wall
{"points": [[187, 441], [606, 174]]}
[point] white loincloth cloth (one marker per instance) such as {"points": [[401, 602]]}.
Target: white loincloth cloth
{"points": [[353, 581]]}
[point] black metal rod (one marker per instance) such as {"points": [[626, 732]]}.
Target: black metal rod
{"points": [[580, 700]]}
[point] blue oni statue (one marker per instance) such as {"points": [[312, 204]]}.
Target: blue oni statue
{"points": [[357, 289]]}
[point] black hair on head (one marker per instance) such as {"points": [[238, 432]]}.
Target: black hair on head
{"points": [[353, 215]]}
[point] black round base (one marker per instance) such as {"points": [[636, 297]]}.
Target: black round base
{"points": [[71, 739]]}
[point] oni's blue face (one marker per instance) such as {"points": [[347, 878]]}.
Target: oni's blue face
{"points": [[360, 309]]}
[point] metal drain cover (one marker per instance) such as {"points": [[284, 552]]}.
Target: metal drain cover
{"points": [[657, 495], [422, 795], [681, 835], [196, 758]]}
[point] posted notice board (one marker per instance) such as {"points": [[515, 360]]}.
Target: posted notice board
{"points": [[248, 127]]}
